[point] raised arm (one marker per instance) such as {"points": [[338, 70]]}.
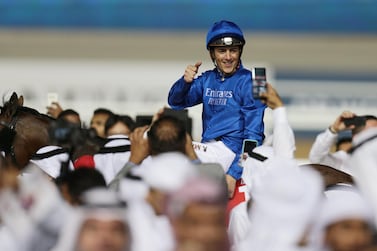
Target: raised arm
{"points": [[183, 93], [320, 150], [283, 137]]}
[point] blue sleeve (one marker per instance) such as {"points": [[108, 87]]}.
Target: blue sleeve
{"points": [[182, 95], [253, 112], [235, 170]]}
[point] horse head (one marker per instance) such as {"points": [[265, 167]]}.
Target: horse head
{"points": [[23, 130], [8, 132], [10, 107]]}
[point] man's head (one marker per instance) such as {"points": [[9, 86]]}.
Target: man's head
{"points": [[167, 134], [71, 116], [346, 219], [362, 123], [370, 121], [103, 233], [104, 225], [349, 235], [101, 223], [165, 173], [119, 124], [286, 205], [197, 212], [225, 42], [76, 182], [99, 119]]}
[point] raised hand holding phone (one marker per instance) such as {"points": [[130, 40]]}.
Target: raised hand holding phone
{"points": [[271, 98], [52, 97], [339, 125], [53, 107]]}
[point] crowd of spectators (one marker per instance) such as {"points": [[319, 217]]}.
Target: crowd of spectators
{"points": [[143, 188]]}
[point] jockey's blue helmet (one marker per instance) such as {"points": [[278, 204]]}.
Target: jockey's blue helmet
{"points": [[224, 33]]}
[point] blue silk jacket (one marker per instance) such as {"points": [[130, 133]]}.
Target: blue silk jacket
{"points": [[230, 113]]}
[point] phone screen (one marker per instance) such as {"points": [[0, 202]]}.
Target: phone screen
{"points": [[259, 73], [51, 98], [259, 81]]}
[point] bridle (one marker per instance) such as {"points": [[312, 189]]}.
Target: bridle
{"points": [[7, 135]]}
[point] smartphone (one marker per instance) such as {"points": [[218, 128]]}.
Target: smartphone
{"points": [[248, 146], [259, 81], [51, 98], [357, 121]]}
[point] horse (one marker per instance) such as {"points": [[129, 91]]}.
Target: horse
{"points": [[23, 131]]}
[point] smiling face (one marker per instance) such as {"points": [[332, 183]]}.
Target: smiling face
{"points": [[226, 58]]}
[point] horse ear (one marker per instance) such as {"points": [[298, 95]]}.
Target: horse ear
{"points": [[13, 104], [13, 98], [21, 100]]}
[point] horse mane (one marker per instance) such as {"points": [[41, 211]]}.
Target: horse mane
{"points": [[34, 112], [25, 109]]}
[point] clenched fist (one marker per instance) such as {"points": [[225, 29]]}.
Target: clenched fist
{"points": [[191, 71]]}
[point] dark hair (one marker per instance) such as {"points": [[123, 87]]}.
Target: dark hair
{"points": [[68, 112], [115, 118], [80, 180], [167, 134], [370, 117], [102, 111], [358, 129]]}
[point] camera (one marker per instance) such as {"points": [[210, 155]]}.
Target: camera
{"points": [[357, 121], [259, 81], [67, 134]]}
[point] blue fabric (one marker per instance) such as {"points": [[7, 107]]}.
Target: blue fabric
{"points": [[224, 29], [229, 111]]}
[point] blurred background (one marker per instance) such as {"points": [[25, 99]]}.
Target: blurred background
{"points": [[124, 55]]}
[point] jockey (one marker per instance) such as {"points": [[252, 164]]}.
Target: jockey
{"points": [[230, 114]]}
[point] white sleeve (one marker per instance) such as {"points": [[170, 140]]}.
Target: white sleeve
{"points": [[363, 163], [283, 137], [320, 150]]}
